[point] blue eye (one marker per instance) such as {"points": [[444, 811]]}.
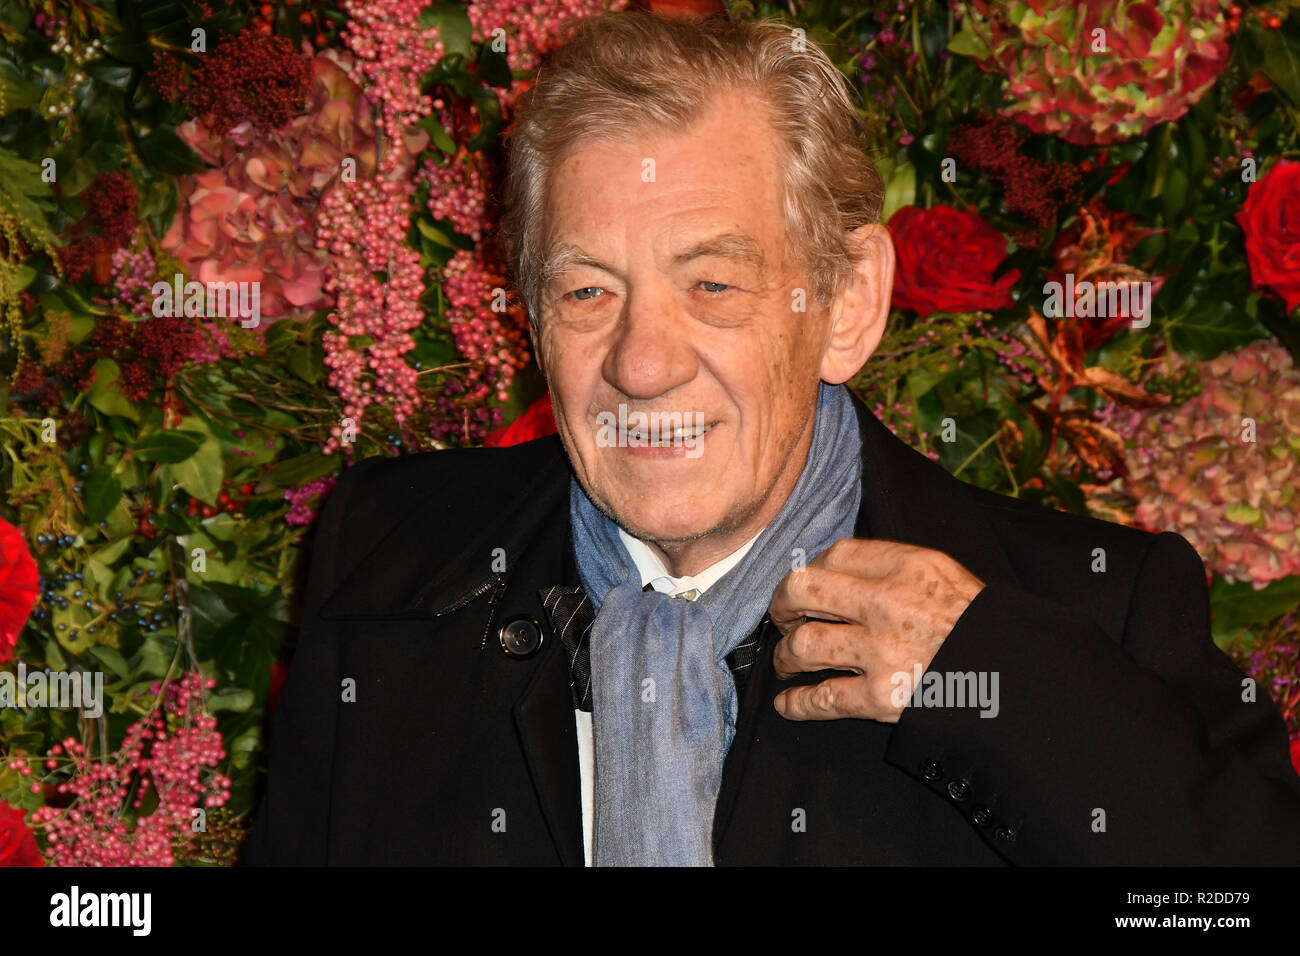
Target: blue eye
{"points": [[578, 293], [723, 286]]}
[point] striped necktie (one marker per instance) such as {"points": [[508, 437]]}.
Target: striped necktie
{"points": [[571, 616]]}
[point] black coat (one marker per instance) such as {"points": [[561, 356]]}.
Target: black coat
{"points": [[1122, 735]]}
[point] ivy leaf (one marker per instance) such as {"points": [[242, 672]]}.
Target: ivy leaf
{"points": [[1238, 606], [102, 493], [169, 447], [1280, 60], [493, 68], [113, 660], [165, 152], [202, 473], [1212, 328], [453, 26]]}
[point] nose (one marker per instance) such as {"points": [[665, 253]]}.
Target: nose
{"points": [[652, 352]]}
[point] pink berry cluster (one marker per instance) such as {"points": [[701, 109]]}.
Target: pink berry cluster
{"points": [[376, 276], [300, 511], [173, 750], [364, 225], [458, 191], [531, 29], [393, 51], [488, 328]]}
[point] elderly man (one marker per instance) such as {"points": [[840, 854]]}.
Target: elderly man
{"points": [[726, 616]]}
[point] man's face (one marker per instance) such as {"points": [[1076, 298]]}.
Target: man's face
{"points": [[683, 300]]}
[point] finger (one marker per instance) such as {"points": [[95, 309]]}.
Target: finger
{"points": [[832, 699], [817, 592], [819, 646]]}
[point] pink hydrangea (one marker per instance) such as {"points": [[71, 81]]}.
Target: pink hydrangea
{"points": [[250, 217], [1222, 469]]}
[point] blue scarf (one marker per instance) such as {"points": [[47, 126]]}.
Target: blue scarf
{"points": [[663, 700]]}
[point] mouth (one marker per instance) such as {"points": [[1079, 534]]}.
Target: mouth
{"points": [[667, 437]]}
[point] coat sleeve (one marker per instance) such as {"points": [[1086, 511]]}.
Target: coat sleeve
{"points": [[1156, 750], [291, 827]]}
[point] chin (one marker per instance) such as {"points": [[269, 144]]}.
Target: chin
{"points": [[648, 521]]}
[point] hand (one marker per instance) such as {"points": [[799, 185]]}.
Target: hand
{"points": [[883, 608]]}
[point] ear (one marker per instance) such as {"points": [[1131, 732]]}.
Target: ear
{"points": [[861, 311]]}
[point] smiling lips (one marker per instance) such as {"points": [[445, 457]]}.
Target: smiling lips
{"points": [[667, 437]]}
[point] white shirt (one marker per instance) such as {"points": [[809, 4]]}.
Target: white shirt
{"points": [[652, 572]]}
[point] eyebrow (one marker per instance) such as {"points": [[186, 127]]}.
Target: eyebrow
{"points": [[562, 256]]}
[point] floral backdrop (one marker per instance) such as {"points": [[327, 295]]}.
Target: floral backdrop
{"points": [[160, 471]]}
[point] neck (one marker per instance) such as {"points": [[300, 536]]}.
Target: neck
{"points": [[692, 556]]}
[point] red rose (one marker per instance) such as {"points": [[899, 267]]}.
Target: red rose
{"points": [[19, 587], [18, 845], [1270, 219], [1295, 753], [946, 259], [537, 422]]}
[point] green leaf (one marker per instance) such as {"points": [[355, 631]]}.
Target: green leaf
{"points": [[202, 473], [109, 73], [453, 26], [54, 656], [169, 447], [433, 233], [439, 136], [1212, 328], [966, 43], [1280, 62], [301, 469], [105, 395], [23, 277], [1175, 194], [900, 186], [237, 701], [20, 93], [307, 362], [102, 493], [156, 656], [493, 68], [113, 660], [1239, 606], [165, 152]]}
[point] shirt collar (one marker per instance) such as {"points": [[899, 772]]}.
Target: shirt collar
{"points": [[652, 570]]}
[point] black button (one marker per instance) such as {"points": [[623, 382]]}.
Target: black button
{"points": [[983, 816], [1006, 833], [959, 790], [931, 769], [520, 636]]}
